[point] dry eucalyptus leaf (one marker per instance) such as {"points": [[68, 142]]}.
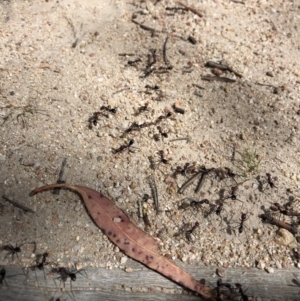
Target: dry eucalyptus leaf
{"points": [[131, 240]]}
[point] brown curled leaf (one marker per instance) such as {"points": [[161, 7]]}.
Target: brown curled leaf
{"points": [[131, 240]]}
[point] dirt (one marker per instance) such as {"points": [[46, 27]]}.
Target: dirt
{"points": [[62, 61]]}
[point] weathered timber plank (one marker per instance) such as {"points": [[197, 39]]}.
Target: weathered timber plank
{"points": [[143, 284]]}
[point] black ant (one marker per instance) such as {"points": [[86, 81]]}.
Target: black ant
{"points": [[219, 209], [136, 127], [242, 292], [188, 233], [198, 203], [12, 251], [242, 221], [134, 62], [162, 157], [142, 109], [277, 207], [296, 281], [65, 273], [2, 277], [161, 133], [225, 289], [94, 119], [162, 117], [123, 147], [187, 168], [270, 181], [194, 204], [152, 87], [41, 265], [233, 194], [204, 173], [109, 109]]}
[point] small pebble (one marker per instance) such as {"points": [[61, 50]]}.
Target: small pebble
{"points": [[77, 207], [278, 265], [27, 162], [261, 265], [178, 108], [217, 72], [123, 259], [285, 238], [133, 185], [269, 270], [221, 272]]}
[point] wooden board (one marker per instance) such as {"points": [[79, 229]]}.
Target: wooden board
{"points": [[143, 284]]}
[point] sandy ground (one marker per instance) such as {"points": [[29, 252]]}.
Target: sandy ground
{"points": [[61, 61]]}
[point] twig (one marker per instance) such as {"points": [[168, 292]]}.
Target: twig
{"points": [[152, 30], [166, 60], [189, 181], [154, 193], [218, 78], [193, 10], [197, 86], [61, 173], [188, 139], [205, 172], [222, 67], [273, 221], [24, 208]]}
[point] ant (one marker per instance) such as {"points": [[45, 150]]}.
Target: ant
{"points": [[41, 265], [277, 207], [123, 147], [242, 292], [188, 233], [270, 181], [109, 109], [296, 281], [162, 159], [187, 168], [142, 109], [223, 288], [134, 62], [198, 203], [233, 194], [12, 251], [242, 222], [2, 277], [163, 134], [152, 87], [194, 204], [160, 118], [204, 173], [94, 119], [136, 127], [219, 208], [65, 273]]}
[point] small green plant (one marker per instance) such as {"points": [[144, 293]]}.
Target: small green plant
{"points": [[249, 163], [20, 113]]}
